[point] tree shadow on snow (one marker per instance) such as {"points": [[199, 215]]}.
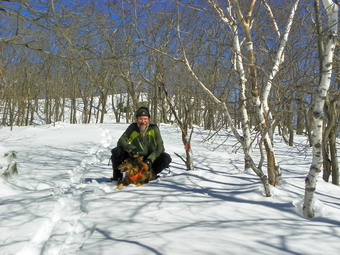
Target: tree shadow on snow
{"points": [[98, 180]]}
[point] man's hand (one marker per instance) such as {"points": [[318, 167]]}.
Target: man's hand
{"points": [[135, 152], [149, 163]]}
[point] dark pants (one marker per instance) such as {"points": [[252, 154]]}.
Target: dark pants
{"points": [[118, 155]]}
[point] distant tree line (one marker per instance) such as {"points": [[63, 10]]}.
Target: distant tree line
{"points": [[254, 67]]}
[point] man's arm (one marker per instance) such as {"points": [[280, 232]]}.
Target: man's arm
{"points": [[124, 139], [159, 145]]}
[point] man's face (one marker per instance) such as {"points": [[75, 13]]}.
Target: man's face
{"points": [[143, 121]]}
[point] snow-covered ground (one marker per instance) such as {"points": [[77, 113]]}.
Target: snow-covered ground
{"points": [[61, 202]]}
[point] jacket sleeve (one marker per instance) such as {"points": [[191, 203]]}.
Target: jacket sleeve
{"points": [[159, 149], [124, 139]]}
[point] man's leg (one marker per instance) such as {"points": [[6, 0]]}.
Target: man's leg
{"points": [[118, 155], [162, 162]]}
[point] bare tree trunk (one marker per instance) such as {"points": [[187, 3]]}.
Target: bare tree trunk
{"points": [[183, 125], [117, 107], [289, 124], [103, 106], [329, 151], [90, 109], [11, 110], [309, 125], [223, 105], [246, 144], [56, 109], [334, 158], [274, 173], [85, 114], [46, 110], [62, 112], [186, 138], [300, 121], [326, 72], [279, 58], [73, 115]]}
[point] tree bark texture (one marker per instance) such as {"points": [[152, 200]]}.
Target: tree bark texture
{"points": [[318, 111]]}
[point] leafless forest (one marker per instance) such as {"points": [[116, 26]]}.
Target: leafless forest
{"points": [[252, 67]]}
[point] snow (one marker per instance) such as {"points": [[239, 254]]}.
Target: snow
{"points": [[62, 203]]}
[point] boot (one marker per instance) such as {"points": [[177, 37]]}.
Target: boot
{"points": [[154, 176], [117, 156], [117, 175]]}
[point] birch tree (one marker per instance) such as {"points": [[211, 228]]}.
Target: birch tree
{"points": [[273, 167], [239, 67], [327, 52], [261, 104], [246, 21], [244, 142], [184, 126]]}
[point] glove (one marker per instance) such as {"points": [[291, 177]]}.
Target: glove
{"points": [[135, 152], [149, 163]]}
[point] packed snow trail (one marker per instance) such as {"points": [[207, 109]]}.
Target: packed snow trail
{"points": [[64, 230]]}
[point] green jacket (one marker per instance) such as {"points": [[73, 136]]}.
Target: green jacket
{"points": [[149, 145]]}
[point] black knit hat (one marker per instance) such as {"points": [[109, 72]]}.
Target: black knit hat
{"points": [[142, 111]]}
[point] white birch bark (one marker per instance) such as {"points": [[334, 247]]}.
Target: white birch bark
{"points": [[243, 98], [326, 68], [246, 139], [274, 173], [279, 58], [267, 88], [239, 67], [248, 157]]}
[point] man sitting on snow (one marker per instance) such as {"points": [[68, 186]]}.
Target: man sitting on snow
{"points": [[141, 138]]}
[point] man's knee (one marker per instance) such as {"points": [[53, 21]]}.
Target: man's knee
{"points": [[116, 152], [119, 154], [166, 159], [162, 162]]}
